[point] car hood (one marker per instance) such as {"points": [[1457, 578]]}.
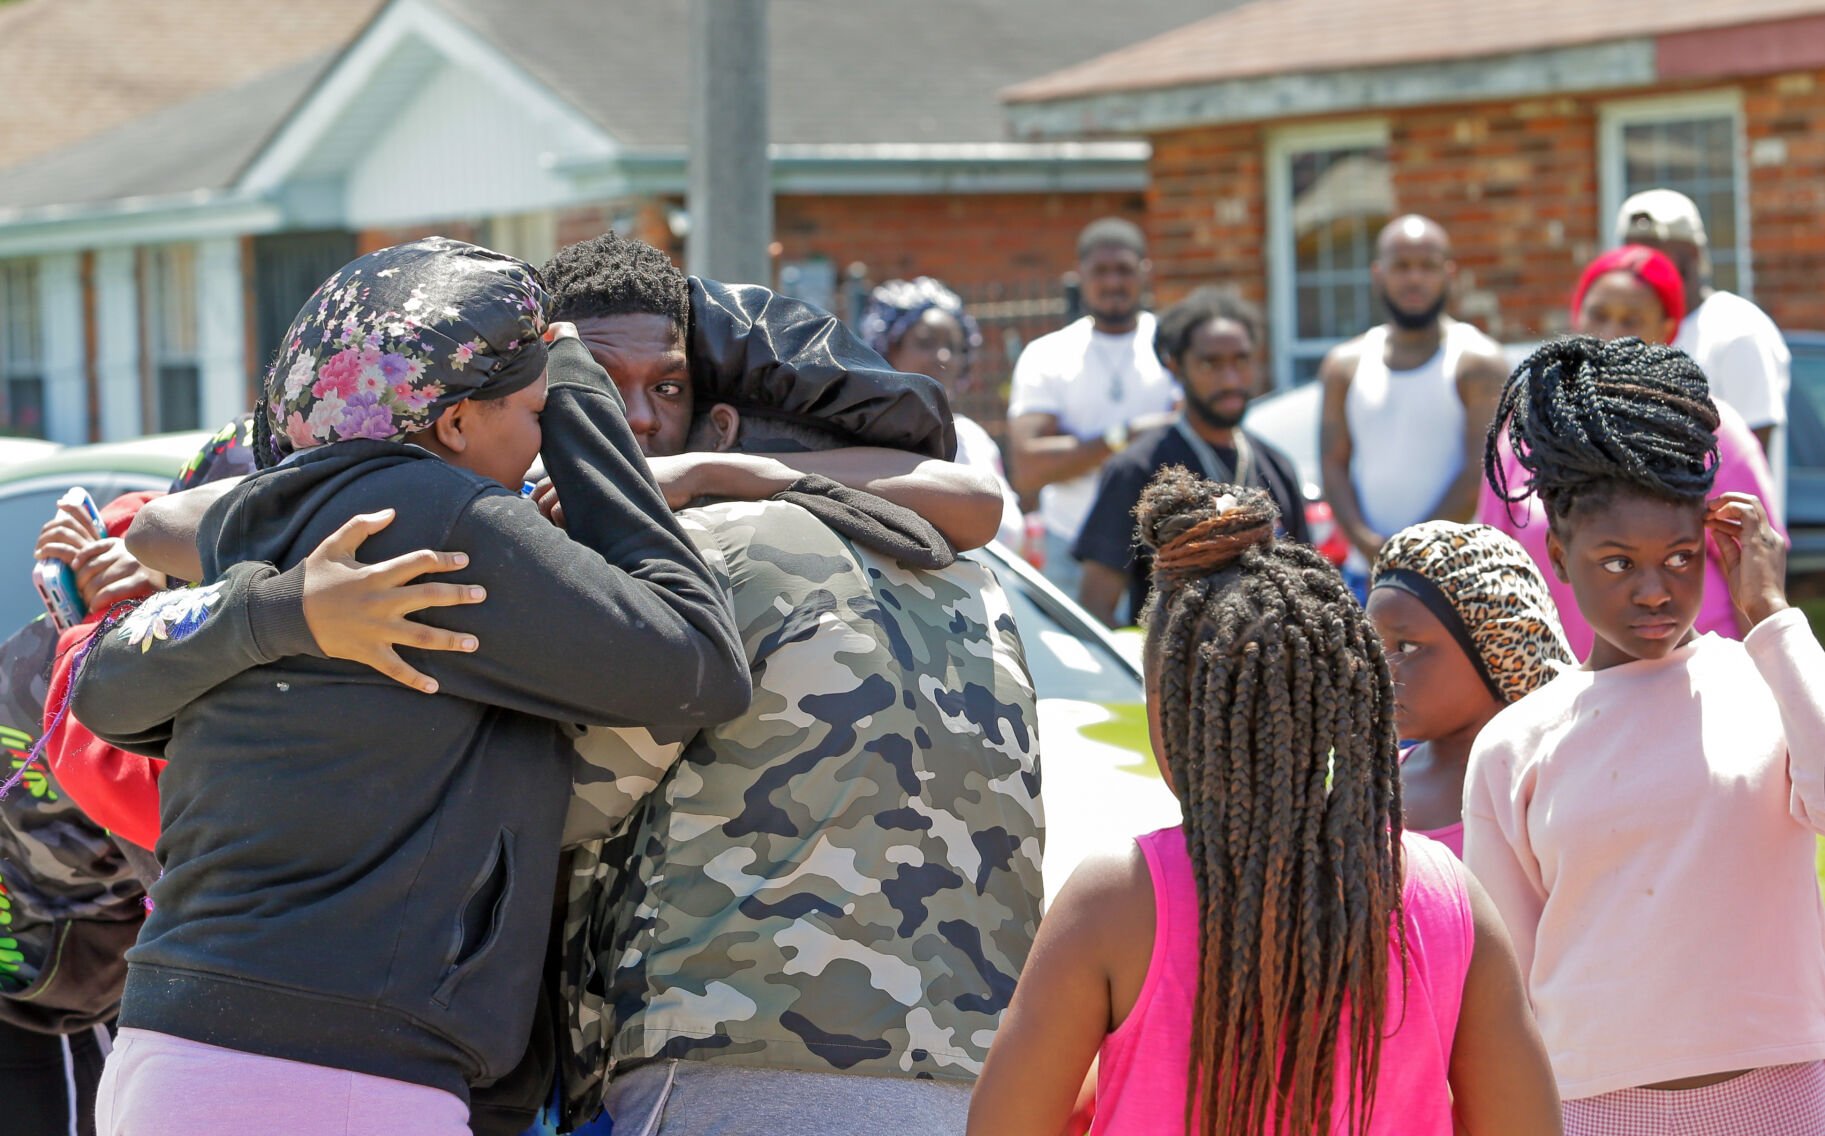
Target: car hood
{"points": [[1099, 783]]}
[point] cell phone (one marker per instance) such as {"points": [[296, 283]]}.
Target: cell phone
{"points": [[55, 582]]}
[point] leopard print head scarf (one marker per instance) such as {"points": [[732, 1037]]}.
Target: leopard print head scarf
{"points": [[1488, 592]]}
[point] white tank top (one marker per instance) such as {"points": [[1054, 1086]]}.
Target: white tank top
{"points": [[1406, 430]]}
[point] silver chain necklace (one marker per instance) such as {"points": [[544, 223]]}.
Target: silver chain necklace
{"points": [[1215, 468]]}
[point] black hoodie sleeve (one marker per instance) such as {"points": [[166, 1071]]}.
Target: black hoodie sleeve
{"points": [[205, 635], [617, 623]]}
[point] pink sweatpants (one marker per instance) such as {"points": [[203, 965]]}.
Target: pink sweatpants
{"points": [[158, 1085]]}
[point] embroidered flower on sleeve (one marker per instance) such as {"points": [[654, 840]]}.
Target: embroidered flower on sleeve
{"points": [[171, 615]]}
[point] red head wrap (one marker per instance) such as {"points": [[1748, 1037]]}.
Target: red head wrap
{"points": [[1647, 265]]}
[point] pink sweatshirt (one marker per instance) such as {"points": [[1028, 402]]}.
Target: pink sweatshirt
{"points": [[1647, 833], [1142, 1073], [1741, 468]]}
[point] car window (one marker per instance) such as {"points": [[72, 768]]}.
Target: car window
{"points": [[1065, 663], [21, 516]]}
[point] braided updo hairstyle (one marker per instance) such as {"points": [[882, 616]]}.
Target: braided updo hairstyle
{"points": [[1277, 721], [1587, 418]]}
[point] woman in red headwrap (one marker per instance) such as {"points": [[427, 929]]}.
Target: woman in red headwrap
{"points": [[1634, 291]]}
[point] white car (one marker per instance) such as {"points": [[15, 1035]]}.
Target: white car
{"points": [[1098, 782]]}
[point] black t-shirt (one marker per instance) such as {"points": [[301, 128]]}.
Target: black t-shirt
{"points": [[1108, 536]]}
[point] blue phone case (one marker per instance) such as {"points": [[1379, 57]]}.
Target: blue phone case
{"points": [[55, 581]]}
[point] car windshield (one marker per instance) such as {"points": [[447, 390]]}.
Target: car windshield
{"points": [[1067, 658]]}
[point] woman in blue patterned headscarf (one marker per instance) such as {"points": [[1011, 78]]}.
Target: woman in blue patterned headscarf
{"points": [[920, 326]]}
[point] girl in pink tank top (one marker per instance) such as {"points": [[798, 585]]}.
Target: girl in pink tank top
{"points": [[1286, 961]]}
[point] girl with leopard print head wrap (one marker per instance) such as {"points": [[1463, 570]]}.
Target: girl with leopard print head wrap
{"points": [[1468, 627]]}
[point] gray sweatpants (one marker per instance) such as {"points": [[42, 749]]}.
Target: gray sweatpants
{"points": [[696, 1098]]}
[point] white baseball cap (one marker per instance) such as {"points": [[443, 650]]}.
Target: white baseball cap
{"points": [[1659, 215]]}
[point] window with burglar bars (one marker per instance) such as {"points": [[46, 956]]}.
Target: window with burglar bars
{"points": [[21, 349], [1693, 144], [1331, 190], [174, 365]]}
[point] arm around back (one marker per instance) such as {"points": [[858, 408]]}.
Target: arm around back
{"points": [[204, 636], [163, 533]]}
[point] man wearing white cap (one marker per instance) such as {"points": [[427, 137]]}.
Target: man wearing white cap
{"points": [[1740, 349]]}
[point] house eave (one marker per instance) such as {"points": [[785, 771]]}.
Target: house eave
{"points": [[888, 168], [198, 215], [1614, 65]]}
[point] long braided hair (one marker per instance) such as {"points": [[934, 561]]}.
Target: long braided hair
{"points": [[1586, 418], [1277, 721]]}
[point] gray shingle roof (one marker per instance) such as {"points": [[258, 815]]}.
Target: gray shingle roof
{"points": [[866, 71], [861, 73], [73, 69], [201, 144]]}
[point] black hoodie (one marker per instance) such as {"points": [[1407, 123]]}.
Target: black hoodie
{"points": [[357, 874]]}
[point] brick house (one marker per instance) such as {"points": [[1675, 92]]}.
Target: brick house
{"points": [[1286, 132], [158, 231]]}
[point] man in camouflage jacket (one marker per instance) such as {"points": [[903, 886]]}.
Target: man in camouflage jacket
{"points": [[847, 878], [823, 905]]}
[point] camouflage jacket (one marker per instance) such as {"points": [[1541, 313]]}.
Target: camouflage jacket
{"points": [[845, 878], [70, 893]]}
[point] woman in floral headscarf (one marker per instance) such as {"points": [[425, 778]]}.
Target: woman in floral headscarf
{"points": [[358, 875]]}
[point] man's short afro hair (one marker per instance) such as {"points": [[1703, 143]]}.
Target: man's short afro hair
{"points": [[612, 275]]}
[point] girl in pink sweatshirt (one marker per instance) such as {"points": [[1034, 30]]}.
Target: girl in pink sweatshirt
{"points": [[1286, 961], [1645, 823]]}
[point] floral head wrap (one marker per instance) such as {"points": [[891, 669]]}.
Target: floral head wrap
{"points": [[228, 454], [1481, 584], [894, 307], [395, 337]]}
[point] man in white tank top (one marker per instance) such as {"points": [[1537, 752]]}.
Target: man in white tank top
{"points": [[1407, 404]]}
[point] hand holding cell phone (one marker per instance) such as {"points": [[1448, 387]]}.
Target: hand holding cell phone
{"points": [[77, 524]]}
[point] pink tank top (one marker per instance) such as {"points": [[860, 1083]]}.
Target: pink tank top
{"points": [[1142, 1076]]}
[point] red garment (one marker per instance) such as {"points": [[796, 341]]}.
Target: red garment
{"points": [[117, 789], [1647, 265]]}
